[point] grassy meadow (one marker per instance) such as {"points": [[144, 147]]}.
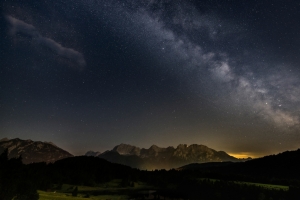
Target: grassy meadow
{"points": [[267, 186], [263, 185], [110, 190], [68, 196]]}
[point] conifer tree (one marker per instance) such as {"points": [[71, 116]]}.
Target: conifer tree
{"points": [[75, 192]]}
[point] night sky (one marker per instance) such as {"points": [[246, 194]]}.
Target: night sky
{"points": [[91, 74]]}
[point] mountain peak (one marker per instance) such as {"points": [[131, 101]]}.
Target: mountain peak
{"points": [[33, 151], [93, 153], [154, 147], [4, 139], [50, 143], [182, 146], [126, 149], [124, 145]]}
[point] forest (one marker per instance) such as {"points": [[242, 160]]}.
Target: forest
{"points": [[230, 181]]}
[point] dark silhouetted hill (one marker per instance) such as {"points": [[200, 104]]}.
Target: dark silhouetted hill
{"points": [[270, 169]]}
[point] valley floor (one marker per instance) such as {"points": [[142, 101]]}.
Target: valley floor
{"points": [[113, 191]]}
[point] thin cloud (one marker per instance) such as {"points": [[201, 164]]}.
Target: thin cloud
{"points": [[18, 26]]}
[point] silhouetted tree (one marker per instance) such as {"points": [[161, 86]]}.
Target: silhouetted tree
{"points": [[132, 184], [75, 192], [15, 180], [4, 156], [294, 192], [26, 191]]}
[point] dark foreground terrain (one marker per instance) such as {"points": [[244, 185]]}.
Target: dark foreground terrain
{"points": [[272, 177]]}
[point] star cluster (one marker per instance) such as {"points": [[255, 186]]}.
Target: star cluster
{"points": [[93, 74]]}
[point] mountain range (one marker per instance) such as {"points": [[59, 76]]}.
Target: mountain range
{"points": [[225, 178], [163, 158], [152, 158], [33, 151]]}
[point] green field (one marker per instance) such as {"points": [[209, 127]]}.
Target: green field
{"points": [[110, 190], [113, 191], [67, 196], [266, 186]]}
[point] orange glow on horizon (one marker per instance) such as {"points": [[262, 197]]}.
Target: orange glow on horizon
{"points": [[244, 155]]}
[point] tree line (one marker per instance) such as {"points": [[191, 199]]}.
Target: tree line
{"points": [[21, 182]]}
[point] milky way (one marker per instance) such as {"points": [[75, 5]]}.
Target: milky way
{"points": [[88, 75]]}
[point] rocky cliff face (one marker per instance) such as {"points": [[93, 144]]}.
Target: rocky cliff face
{"points": [[126, 149], [33, 151], [164, 158], [200, 153]]}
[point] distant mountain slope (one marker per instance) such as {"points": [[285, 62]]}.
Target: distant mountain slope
{"points": [[33, 151], [92, 153], [164, 158]]}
